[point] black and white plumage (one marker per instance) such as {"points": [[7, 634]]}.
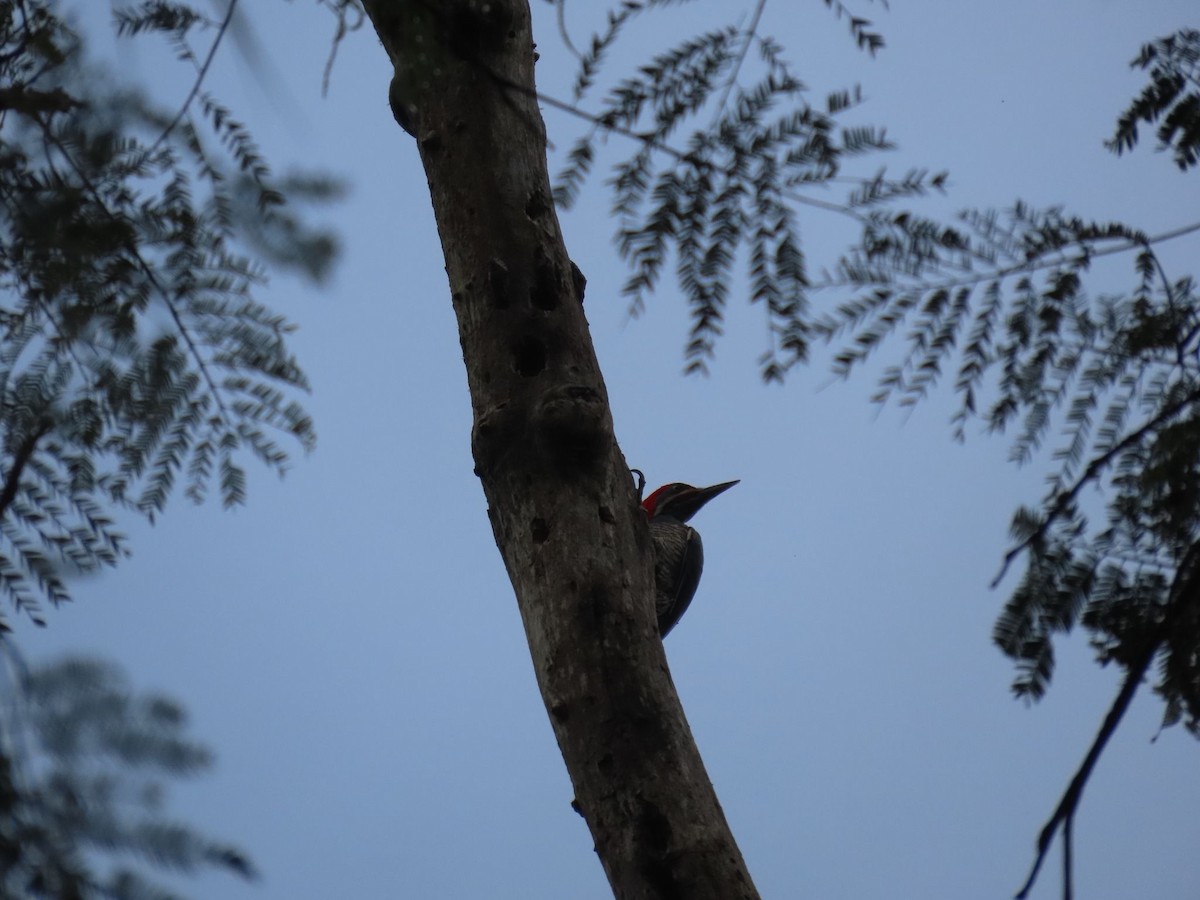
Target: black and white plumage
{"points": [[678, 550]]}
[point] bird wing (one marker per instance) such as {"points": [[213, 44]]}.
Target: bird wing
{"points": [[692, 564]]}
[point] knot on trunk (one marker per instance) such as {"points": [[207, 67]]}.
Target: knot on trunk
{"points": [[573, 425]]}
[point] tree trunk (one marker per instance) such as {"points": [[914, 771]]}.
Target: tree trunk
{"points": [[561, 499]]}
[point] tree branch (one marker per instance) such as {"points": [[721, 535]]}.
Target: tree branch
{"points": [[148, 270], [1021, 268], [751, 34], [12, 479], [1063, 500], [200, 75], [1070, 800], [560, 498], [34, 103], [1182, 591], [1068, 856]]}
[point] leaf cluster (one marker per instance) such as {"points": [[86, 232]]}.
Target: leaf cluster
{"points": [[134, 358], [1000, 303], [1171, 99], [82, 787], [996, 301], [728, 191]]}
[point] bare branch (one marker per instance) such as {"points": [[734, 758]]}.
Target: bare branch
{"points": [[1182, 591], [200, 76]]}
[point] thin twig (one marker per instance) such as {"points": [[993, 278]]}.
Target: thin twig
{"points": [[1181, 347], [148, 271], [342, 30], [1126, 245], [560, 13], [212, 52], [1068, 855], [611, 128], [751, 33], [1094, 468], [1070, 799]]}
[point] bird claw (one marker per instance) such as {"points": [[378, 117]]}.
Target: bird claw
{"points": [[641, 482]]}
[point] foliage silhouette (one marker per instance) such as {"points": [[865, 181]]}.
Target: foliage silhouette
{"points": [[82, 796], [1001, 301], [1172, 96], [133, 356]]}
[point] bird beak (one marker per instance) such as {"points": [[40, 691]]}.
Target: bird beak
{"points": [[703, 495], [689, 504]]}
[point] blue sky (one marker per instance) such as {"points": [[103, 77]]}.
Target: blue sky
{"points": [[349, 643]]}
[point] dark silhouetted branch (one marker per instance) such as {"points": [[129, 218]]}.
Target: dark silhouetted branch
{"points": [[12, 479], [1183, 592]]}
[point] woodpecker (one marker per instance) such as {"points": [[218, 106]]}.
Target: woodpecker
{"points": [[678, 552]]}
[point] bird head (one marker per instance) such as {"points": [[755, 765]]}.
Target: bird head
{"points": [[681, 501]]}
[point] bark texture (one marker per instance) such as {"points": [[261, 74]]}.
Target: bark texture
{"points": [[561, 499]]}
